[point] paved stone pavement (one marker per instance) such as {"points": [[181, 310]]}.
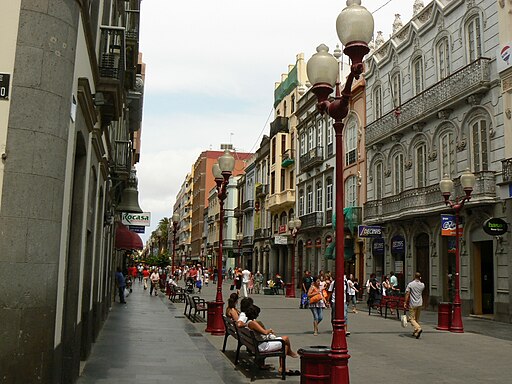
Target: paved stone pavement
{"points": [[149, 341]]}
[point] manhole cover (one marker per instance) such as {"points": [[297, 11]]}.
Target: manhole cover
{"points": [[195, 334]]}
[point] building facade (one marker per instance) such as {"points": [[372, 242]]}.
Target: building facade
{"points": [[434, 108], [70, 107]]}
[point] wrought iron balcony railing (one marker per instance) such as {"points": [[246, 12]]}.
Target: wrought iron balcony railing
{"points": [[248, 204], [471, 79], [247, 241], [417, 201], [122, 157], [261, 190], [132, 21], [112, 52], [312, 220], [314, 157]]}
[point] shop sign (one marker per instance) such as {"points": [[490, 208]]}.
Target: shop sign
{"points": [[4, 85], [283, 228], [137, 228], [280, 240], [143, 219], [369, 231], [397, 244], [495, 226], [378, 247], [448, 225]]}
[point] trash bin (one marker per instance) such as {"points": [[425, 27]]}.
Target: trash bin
{"points": [[315, 365], [288, 289], [444, 316]]}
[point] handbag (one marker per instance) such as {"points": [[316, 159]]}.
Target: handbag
{"points": [[403, 320], [316, 298]]}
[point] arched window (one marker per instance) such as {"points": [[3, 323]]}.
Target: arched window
{"points": [[398, 173], [396, 89], [447, 154], [284, 219], [319, 194], [378, 180], [473, 38], [301, 202], [351, 191], [479, 140], [351, 142], [417, 76], [420, 154], [309, 200], [443, 58], [328, 194]]}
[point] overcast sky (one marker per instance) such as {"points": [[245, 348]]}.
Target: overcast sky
{"points": [[210, 73]]}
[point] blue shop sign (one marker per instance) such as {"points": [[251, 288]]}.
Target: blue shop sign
{"points": [[378, 247], [369, 231], [398, 244]]}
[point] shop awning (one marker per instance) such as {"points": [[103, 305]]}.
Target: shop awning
{"points": [[126, 239]]}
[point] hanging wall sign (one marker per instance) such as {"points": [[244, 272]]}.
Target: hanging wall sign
{"points": [[398, 244], [369, 231], [495, 226]]}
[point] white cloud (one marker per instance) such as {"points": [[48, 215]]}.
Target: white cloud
{"points": [[211, 69]]}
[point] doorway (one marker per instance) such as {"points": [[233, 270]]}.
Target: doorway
{"points": [[423, 264], [483, 278]]}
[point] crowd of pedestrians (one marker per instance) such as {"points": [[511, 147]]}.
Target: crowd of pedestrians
{"points": [[317, 292]]}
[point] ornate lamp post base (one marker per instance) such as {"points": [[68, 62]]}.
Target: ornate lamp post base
{"points": [[214, 322]]}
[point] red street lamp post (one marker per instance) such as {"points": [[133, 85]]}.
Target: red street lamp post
{"points": [[294, 226], [222, 171], [175, 227], [467, 180], [355, 29], [239, 238]]}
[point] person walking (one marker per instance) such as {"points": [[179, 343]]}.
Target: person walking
{"points": [[306, 284], [121, 284], [246, 277], [352, 290], [316, 304], [145, 275], [258, 280], [155, 281], [414, 301], [393, 280]]}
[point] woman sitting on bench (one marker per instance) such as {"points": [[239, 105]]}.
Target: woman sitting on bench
{"points": [[267, 335], [231, 311]]}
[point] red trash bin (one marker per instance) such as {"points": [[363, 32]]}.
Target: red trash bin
{"points": [[444, 316], [315, 365], [288, 290]]}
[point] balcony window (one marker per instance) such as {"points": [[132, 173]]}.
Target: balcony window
{"points": [[378, 179], [377, 102], [330, 146], [283, 180], [447, 154], [421, 161], [283, 144], [328, 194], [417, 72], [473, 39], [351, 191], [351, 142], [479, 145], [398, 173], [302, 144], [311, 138], [319, 194], [273, 150], [272, 183], [396, 90], [292, 180], [301, 202], [309, 201], [443, 58], [319, 131], [292, 106]]}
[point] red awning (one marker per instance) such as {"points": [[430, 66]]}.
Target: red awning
{"points": [[126, 239]]}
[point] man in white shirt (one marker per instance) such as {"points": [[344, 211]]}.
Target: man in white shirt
{"points": [[246, 277], [332, 291], [414, 301], [155, 282]]}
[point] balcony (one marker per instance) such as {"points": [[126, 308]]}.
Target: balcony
{"points": [[280, 124], [311, 159], [261, 233], [112, 66], [247, 241], [227, 243], [281, 199], [426, 200], [247, 205], [312, 220], [122, 158], [473, 78], [288, 158], [261, 190]]}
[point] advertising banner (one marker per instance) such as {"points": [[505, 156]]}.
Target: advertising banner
{"points": [[143, 218], [378, 247], [369, 231], [448, 225], [398, 244]]}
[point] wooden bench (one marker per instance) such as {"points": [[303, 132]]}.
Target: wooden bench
{"points": [[196, 304], [247, 338], [177, 294]]}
